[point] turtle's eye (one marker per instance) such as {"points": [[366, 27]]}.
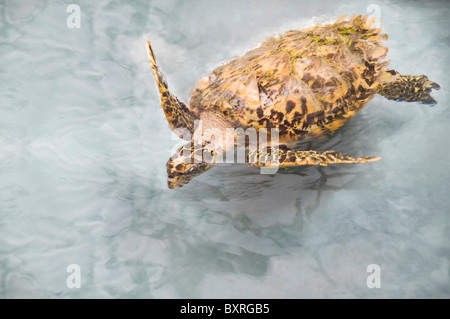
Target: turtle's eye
{"points": [[192, 169]]}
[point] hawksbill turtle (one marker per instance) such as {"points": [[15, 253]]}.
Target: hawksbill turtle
{"points": [[303, 84]]}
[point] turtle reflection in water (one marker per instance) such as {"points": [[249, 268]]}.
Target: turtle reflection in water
{"points": [[304, 84]]}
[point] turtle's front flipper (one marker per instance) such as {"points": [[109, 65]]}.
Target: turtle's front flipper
{"points": [[177, 114], [282, 156], [409, 88], [190, 161]]}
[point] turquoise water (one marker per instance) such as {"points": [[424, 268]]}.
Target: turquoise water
{"points": [[83, 147]]}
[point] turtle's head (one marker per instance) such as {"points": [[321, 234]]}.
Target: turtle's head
{"points": [[180, 171], [191, 160]]}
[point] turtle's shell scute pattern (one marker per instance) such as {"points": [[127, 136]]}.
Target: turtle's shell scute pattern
{"points": [[304, 82]]}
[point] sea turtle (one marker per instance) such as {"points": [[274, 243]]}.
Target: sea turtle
{"points": [[303, 84]]}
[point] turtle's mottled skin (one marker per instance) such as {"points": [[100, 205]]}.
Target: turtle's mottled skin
{"points": [[304, 83]]}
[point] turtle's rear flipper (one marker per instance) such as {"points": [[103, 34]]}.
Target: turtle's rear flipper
{"points": [[282, 156], [409, 88]]}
